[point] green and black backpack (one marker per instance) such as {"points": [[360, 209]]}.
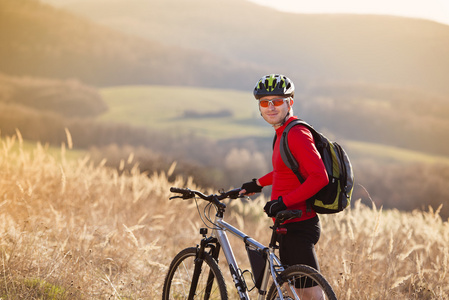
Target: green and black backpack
{"points": [[336, 195]]}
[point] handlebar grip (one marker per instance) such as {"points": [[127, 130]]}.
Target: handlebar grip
{"points": [[234, 194], [186, 193], [179, 190]]}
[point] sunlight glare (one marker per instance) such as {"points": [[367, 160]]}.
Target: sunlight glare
{"points": [[436, 10]]}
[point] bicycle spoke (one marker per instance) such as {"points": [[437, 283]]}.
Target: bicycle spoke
{"points": [[302, 282], [178, 282]]}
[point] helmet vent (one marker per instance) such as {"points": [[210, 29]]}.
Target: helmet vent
{"points": [[274, 84]]}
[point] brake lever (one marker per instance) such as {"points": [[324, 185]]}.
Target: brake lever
{"points": [[183, 197], [240, 196]]}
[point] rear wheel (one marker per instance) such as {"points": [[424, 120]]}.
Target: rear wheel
{"points": [[305, 281], [211, 284]]}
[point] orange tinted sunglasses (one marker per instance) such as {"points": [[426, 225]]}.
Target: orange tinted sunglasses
{"points": [[274, 102]]}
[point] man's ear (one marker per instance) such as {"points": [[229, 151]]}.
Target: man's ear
{"points": [[291, 101]]}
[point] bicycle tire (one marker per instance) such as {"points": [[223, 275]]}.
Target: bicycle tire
{"points": [[178, 280], [302, 275]]}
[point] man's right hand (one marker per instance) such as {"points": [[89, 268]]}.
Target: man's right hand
{"points": [[251, 187]]}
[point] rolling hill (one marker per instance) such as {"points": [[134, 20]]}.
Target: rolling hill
{"points": [[388, 116], [172, 42], [39, 40], [371, 49]]}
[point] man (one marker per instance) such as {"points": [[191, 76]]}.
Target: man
{"points": [[275, 94]]}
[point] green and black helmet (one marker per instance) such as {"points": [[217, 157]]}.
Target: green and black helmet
{"points": [[274, 85]]}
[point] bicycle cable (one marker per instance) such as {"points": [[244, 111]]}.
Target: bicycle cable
{"points": [[206, 216]]}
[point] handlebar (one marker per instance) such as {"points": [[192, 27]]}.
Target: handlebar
{"points": [[213, 198], [281, 217]]}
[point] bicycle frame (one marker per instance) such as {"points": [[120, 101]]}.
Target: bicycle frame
{"points": [[219, 240], [271, 262]]}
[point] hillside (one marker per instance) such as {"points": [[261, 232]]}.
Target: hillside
{"points": [[169, 42], [69, 98], [72, 230], [384, 115], [371, 49], [41, 41], [196, 111]]}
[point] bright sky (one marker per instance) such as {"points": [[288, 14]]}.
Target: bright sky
{"points": [[436, 10]]}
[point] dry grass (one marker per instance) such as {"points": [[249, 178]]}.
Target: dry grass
{"points": [[72, 230]]}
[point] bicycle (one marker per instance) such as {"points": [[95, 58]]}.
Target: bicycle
{"points": [[194, 273]]}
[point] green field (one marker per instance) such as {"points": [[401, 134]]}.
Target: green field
{"points": [[163, 108]]}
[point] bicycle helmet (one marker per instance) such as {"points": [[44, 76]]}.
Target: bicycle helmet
{"points": [[274, 85]]}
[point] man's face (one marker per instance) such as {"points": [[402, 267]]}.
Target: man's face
{"points": [[274, 114]]}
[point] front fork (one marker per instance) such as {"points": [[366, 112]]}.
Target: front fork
{"points": [[206, 242]]}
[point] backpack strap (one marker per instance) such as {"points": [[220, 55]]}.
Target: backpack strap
{"points": [[286, 154]]}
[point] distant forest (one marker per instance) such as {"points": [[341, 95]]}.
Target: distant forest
{"points": [[36, 107]]}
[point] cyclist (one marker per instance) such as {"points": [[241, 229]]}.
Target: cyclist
{"points": [[275, 94]]}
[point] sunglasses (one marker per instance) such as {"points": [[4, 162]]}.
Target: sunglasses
{"points": [[274, 102]]}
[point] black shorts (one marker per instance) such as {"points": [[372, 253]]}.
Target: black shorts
{"points": [[298, 245]]}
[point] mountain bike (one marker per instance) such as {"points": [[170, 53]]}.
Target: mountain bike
{"points": [[194, 273]]}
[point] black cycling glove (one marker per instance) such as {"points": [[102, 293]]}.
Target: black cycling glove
{"points": [[274, 206], [252, 187]]}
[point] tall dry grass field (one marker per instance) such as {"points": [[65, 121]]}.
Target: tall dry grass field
{"points": [[72, 230]]}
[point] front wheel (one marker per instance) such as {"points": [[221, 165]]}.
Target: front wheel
{"points": [[302, 282], [178, 282]]}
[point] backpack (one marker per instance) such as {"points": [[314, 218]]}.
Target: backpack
{"points": [[336, 195]]}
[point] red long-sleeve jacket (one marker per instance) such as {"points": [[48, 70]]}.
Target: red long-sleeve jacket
{"points": [[284, 182]]}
